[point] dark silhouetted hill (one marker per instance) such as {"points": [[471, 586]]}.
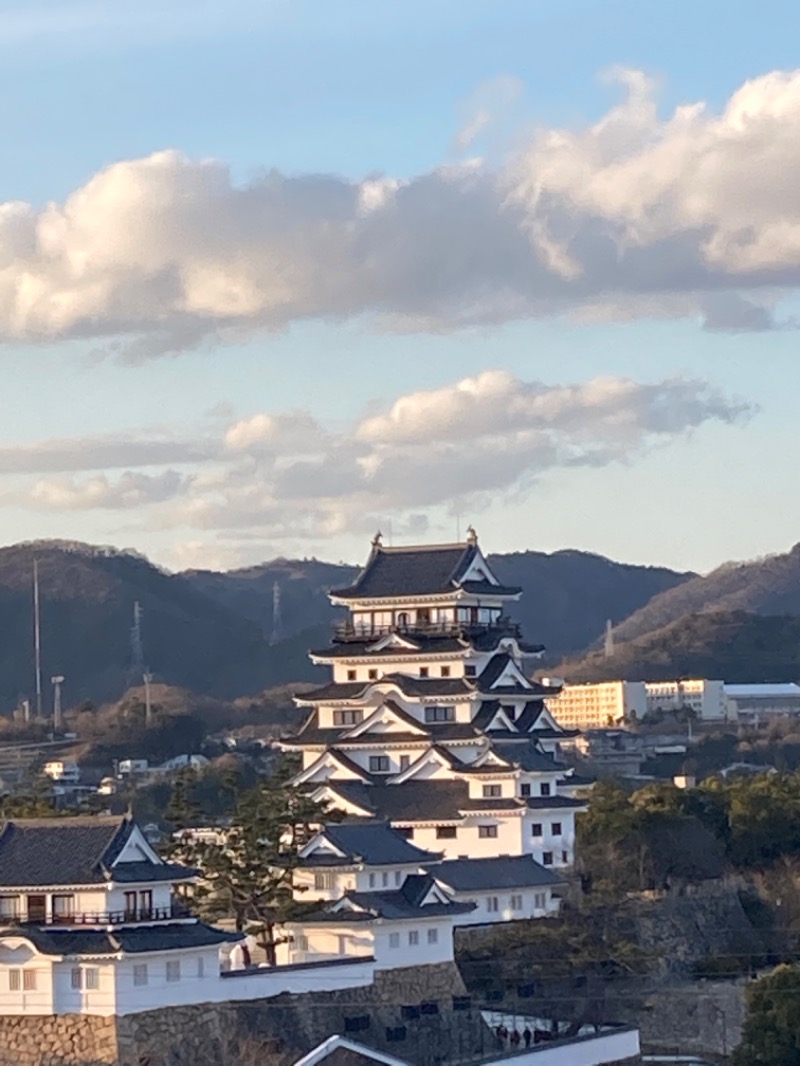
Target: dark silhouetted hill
{"points": [[211, 633], [87, 596], [769, 586], [734, 646]]}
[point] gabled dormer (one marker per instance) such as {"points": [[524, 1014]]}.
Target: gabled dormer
{"points": [[388, 718], [331, 764]]}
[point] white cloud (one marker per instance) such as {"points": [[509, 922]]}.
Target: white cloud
{"points": [[129, 490], [636, 214], [475, 442]]}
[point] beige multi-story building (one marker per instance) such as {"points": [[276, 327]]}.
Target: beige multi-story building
{"points": [[600, 705], [610, 704]]}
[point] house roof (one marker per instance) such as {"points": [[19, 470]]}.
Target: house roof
{"points": [[374, 843], [409, 686], [546, 803], [162, 937], [335, 1045], [73, 851], [516, 871]]}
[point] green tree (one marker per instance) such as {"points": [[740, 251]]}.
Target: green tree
{"points": [[771, 1035], [247, 873]]}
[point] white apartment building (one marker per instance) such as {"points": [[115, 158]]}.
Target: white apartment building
{"points": [[754, 702]]}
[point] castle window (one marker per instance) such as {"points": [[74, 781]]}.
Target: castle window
{"points": [[140, 974], [323, 881], [14, 980], [424, 671], [91, 978], [379, 764], [347, 717], [372, 675], [540, 901], [516, 903], [486, 832], [433, 936], [536, 829], [440, 714], [28, 980], [405, 762], [544, 790], [556, 829], [492, 904], [351, 675], [394, 940], [469, 670], [445, 671], [446, 832], [492, 791], [413, 938], [547, 858], [173, 970], [524, 790]]}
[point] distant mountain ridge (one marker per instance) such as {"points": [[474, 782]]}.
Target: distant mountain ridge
{"points": [[567, 595], [766, 586], [210, 632], [732, 646]]}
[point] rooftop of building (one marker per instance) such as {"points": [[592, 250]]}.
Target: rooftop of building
{"points": [[422, 570], [763, 691], [373, 843], [503, 871], [406, 902], [142, 939], [74, 851]]}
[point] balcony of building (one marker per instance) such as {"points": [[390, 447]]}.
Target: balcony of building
{"points": [[355, 632], [34, 910]]}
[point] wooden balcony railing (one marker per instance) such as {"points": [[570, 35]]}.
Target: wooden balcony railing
{"points": [[102, 918]]}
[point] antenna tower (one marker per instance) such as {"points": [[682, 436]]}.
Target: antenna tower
{"points": [[37, 638], [137, 647], [276, 613], [609, 642], [58, 717]]}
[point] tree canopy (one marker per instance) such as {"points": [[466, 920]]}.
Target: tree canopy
{"points": [[771, 1035]]}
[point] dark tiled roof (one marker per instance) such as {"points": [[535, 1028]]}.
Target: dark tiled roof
{"points": [[494, 669], [409, 686], [374, 843], [74, 851], [53, 851], [439, 732], [128, 872], [577, 781], [486, 588], [430, 644], [418, 571], [469, 875], [486, 806], [411, 801], [145, 938], [406, 902], [546, 803]]}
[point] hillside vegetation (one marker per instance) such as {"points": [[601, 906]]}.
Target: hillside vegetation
{"points": [[732, 645], [768, 586]]}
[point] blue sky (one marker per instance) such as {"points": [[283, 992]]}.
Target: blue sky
{"points": [[288, 341]]}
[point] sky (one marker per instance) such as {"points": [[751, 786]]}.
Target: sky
{"points": [[276, 274]]}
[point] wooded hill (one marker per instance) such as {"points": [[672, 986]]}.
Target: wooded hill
{"points": [[210, 632], [734, 646]]}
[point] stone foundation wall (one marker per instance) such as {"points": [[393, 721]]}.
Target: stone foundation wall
{"points": [[694, 1017], [58, 1040], [268, 1032]]}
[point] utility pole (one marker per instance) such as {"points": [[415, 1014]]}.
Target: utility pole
{"points": [[148, 709], [37, 638], [58, 717], [276, 613]]}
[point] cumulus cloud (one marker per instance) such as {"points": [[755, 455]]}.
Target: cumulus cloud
{"points": [[285, 476], [636, 214]]}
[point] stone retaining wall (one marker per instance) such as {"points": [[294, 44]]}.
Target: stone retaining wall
{"points": [[268, 1032], [58, 1040]]}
